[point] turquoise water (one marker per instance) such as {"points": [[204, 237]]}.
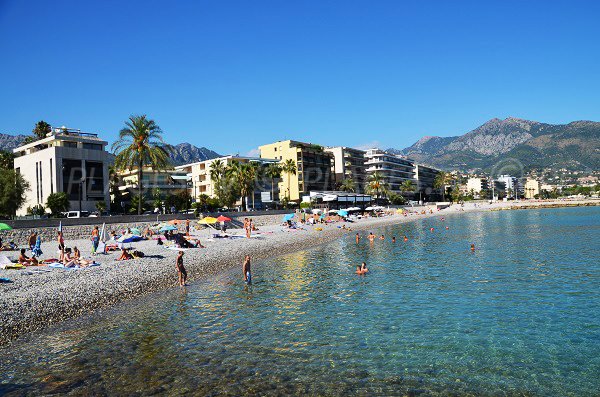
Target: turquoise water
{"points": [[519, 316]]}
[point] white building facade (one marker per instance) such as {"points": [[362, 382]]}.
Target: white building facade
{"points": [[68, 161]]}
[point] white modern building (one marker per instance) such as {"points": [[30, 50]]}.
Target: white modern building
{"points": [[394, 169], [69, 161], [512, 186]]}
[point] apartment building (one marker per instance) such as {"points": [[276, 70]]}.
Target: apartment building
{"points": [[349, 163], [314, 167], [201, 182], [168, 182], [512, 187], [532, 188], [394, 169], [66, 160], [425, 180]]}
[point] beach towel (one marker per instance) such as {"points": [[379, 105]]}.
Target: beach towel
{"points": [[178, 249], [5, 280], [12, 266], [56, 265]]}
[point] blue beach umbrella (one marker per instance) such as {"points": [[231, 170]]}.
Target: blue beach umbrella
{"points": [[129, 239], [343, 213], [288, 217], [168, 227]]}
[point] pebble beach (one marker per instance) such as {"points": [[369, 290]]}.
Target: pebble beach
{"points": [[38, 296]]}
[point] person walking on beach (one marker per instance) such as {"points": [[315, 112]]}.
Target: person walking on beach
{"points": [[187, 227], [95, 239], [246, 270], [180, 269]]}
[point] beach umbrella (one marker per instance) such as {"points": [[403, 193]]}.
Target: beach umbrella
{"points": [[222, 218], [333, 211], [136, 231], [209, 220], [317, 211], [288, 217], [174, 222], [167, 228], [60, 226], [4, 226], [369, 209], [343, 213]]}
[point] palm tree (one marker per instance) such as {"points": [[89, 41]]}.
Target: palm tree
{"points": [[407, 187], [257, 172], [289, 167], [41, 130], [217, 172], [441, 180], [348, 185], [377, 185], [140, 144], [243, 174], [7, 160], [273, 171]]}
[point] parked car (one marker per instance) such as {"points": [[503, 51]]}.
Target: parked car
{"points": [[76, 214]]}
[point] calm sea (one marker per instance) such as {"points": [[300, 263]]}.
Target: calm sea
{"points": [[518, 316]]}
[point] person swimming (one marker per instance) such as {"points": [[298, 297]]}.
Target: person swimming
{"points": [[473, 247], [382, 237], [393, 239]]}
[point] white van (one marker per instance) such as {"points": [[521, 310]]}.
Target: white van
{"points": [[76, 214]]}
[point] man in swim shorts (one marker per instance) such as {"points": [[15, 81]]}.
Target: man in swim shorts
{"points": [[246, 270]]}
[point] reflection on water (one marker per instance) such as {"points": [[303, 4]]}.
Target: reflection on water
{"points": [[517, 316]]}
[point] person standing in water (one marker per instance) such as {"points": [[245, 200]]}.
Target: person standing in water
{"points": [[246, 270], [180, 269], [357, 238]]}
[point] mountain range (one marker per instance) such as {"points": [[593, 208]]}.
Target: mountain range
{"points": [[183, 153], [512, 142]]}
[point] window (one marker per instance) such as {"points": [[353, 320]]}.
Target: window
{"points": [[71, 176], [70, 144], [94, 172], [92, 146]]}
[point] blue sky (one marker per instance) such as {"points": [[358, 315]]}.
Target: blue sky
{"points": [[231, 75]]}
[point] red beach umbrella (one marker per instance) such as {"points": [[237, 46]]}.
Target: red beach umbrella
{"points": [[222, 218]]}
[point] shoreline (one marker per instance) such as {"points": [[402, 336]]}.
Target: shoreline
{"points": [[35, 301]]}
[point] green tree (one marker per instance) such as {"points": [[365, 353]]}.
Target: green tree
{"points": [[38, 209], [407, 187], [217, 175], [12, 192], [157, 198], [140, 144], [289, 167], [443, 179], [376, 185], [57, 203], [273, 172], [184, 200], [7, 160], [396, 199], [41, 129], [100, 206], [348, 185], [137, 204], [243, 176]]}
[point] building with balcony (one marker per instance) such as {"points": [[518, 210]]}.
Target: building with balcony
{"points": [[394, 169], [477, 186], [424, 185], [512, 187], [349, 163], [201, 182], [66, 160], [167, 182], [314, 167]]}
